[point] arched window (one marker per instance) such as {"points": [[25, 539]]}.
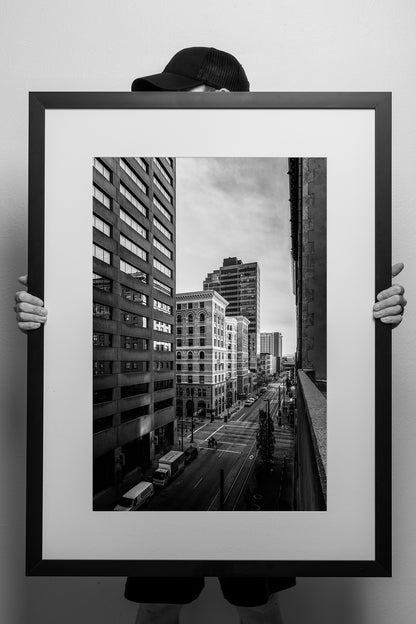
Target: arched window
{"points": [[190, 318], [179, 318], [201, 355], [202, 317], [190, 355], [178, 355]]}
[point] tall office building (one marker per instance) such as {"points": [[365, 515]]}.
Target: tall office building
{"points": [[133, 317], [239, 283], [201, 354], [271, 342]]}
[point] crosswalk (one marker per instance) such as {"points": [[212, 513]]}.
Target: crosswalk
{"points": [[232, 436]]}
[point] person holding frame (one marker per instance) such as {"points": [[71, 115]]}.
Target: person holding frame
{"points": [[201, 69]]}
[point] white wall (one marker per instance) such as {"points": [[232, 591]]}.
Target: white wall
{"points": [[101, 45]]}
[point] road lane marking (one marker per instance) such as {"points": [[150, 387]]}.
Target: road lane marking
{"points": [[195, 430], [198, 482], [214, 432]]}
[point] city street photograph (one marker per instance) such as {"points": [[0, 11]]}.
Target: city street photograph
{"points": [[209, 334]]}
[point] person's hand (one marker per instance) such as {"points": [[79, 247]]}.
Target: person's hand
{"points": [[390, 303], [30, 313]]}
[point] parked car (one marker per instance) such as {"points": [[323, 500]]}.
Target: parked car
{"points": [[190, 454], [135, 497]]}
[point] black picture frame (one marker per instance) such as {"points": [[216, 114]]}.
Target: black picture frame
{"points": [[39, 104]]}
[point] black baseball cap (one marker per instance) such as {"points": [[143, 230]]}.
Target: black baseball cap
{"points": [[193, 67]]}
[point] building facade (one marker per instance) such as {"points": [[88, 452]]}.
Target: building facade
{"points": [[266, 366], [271, 342], [231, 334], [201, 354], [239, 283], [244, 382], [133, 316]]}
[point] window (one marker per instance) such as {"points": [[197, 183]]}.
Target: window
{"points": [[178, 342], [190, 367], [202, 367], [162, 287], [178, 367], [167, 252], [162, 327], [162, 209], [190, 330], [201, 379], [100, 424], [134, 413], [133, 295], [189, 379], [190, 305], [190, 318], [133, 342], [179, 318], [101, 367], [162, 189], [202, 342], [135, 225], [142, 163], [101, 340], [133, 271], [101, 283], [202, 329], [190, 355], [101, 197], [102, 396], [163, 385], [162, 346], [134, 390], [101, 311], [102, 169], [202, 304], [169, 160], [101, 225], [133, 176], [201, 355], [162, 366], [162, 267], [135, 366], [135, 320], [162, 228], [162, 307], [202, 317], [163, 404], [101, 254], [190, 342], [179, 378], [163, 171], [128, 244], [133, 199]]}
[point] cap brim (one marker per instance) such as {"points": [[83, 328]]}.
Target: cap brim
{"points": [[165, 82]]}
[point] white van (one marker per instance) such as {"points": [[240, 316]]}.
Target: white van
{"points": [[136, 497]]}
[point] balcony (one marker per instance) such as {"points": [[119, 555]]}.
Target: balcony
{"points": [[311, 445]]}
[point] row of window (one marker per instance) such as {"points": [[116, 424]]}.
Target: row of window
{"points": [[190, 318], [201, 342], [193, 379], [163, 171], [201, 330], [103, 283], [190, 305], [162, 190]]}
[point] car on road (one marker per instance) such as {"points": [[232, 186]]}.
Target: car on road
{"points": [[249, 401], [191, 453], [135, 497]]}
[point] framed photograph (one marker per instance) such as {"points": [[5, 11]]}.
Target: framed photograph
{"points": [[210, 363]]}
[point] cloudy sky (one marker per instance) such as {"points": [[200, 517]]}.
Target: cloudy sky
{"points": [[238, 207]]}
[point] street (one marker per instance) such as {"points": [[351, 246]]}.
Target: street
{"points": [[197, 488]]}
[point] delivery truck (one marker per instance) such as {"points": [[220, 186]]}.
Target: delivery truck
{"points": [[169, 466]]}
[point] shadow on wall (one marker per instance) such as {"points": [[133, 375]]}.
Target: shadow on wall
{"points": [[320, 598]]}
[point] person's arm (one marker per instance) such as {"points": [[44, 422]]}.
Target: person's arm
{"points": [[30, 313], [390, 303]]}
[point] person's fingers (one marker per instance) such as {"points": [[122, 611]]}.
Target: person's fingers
{"points": [[396, 309], [25, 326], [27, 316], [23, 280], [397, 268], [23, 296], [32, 309], [390, 301], [394, 289], [396, 319]]}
